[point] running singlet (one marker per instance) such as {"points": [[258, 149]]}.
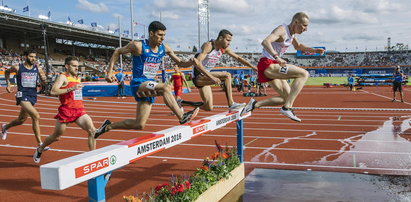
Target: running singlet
{"points": [[72, 99], [148, 63], [397, 76], [280, 47], [177, 80], [212, 58], [27, 79]]}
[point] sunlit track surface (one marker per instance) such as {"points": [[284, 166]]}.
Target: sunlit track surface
{"points": [[346, 140]]}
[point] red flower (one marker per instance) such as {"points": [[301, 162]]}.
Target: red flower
{"points": [[205, 168], [173, 190], [225, 155], [180, 188], [158, 187], [188, 185]]}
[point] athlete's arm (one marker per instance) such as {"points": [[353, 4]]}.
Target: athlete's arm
{"points": [[183, 77], [176, 59], [301, 47], [240, 59], [277, 35], [133, 47], [42, 77], [14, 69], [62, 81]]}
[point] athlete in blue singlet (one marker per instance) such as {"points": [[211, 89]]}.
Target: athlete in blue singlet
{"points": [[28, 75], [147, 57], [397, 83]]}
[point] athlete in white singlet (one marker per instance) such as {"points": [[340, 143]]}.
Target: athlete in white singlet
{"points": [[275, 70], [208, 56]]}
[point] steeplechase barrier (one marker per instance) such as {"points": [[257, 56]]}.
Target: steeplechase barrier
{"points": [[96, 166]]}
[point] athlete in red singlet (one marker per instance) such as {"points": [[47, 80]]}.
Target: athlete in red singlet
{"points": [[68, 87]]}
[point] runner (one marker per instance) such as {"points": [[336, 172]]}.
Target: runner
{"points": [[147, 57], [397, 83], [68, 87], [275, 70], [27, 75]]}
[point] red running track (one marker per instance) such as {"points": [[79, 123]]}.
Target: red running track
{"points": [[351, 139]]}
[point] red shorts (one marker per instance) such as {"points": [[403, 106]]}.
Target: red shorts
{"points": [[262, 65], [69, 115], [178, 90]]}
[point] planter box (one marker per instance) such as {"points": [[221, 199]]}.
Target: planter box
{"points": [[219, 190]]}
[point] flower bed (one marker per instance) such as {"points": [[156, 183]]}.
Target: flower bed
{"points": [[220, 170]]}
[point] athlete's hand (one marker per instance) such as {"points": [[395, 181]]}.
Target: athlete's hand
{"points": [[281, 62], [8, 88], [215, 80], [320, 51], [78, 86], [110, 77]]}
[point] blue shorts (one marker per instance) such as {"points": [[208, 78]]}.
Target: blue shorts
{"points": [[24, 96], [135, 84]]}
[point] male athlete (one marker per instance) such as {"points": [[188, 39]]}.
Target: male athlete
{"points": [[27, 75], [68, 87], [208, 56], [275, 70], [397, 83], [147, 57]]}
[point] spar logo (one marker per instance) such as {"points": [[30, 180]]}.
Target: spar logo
{"points": [[200, 129], [95, 166]]}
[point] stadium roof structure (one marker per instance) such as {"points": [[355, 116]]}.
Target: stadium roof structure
{"points": [[15, 24]]}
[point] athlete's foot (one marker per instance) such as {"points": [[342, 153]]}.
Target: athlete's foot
{"points": [[37, 155], [3, 132], [102, 129], [235, 106], [249, 107], [290, 114], [189, 116]]}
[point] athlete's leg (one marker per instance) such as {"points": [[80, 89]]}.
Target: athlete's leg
{"points": [[19, 120], [35, 118], [150, 88], [207, 97], [300, 76], [86, 123], [59, 129], [282, 87], [142, 113], [202, 80]]}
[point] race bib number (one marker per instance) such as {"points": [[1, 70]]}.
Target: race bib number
{"points": [[150, 69], [78, 94], [29, 79], [151, 85], [19, 94], [284, 70]]}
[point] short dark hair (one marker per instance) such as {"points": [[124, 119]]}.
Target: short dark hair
{"points": [[27, 52], [69, 59], [156, 25], [223, 33]]}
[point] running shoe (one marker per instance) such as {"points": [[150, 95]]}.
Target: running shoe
{"points": [[102, 129], [290, 114], [393, 100], [37, 155], [188, 116], [45, 148], [3, 132], [249, 107], [235, 106]]}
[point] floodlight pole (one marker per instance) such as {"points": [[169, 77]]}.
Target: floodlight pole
{"points": [[46, 59], [131, 20], [119, 38]]}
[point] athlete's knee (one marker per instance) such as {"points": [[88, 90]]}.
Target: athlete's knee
{"points": [[91, 131], [305, 74], [137, 126], [21, 120], [35, 117]]}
